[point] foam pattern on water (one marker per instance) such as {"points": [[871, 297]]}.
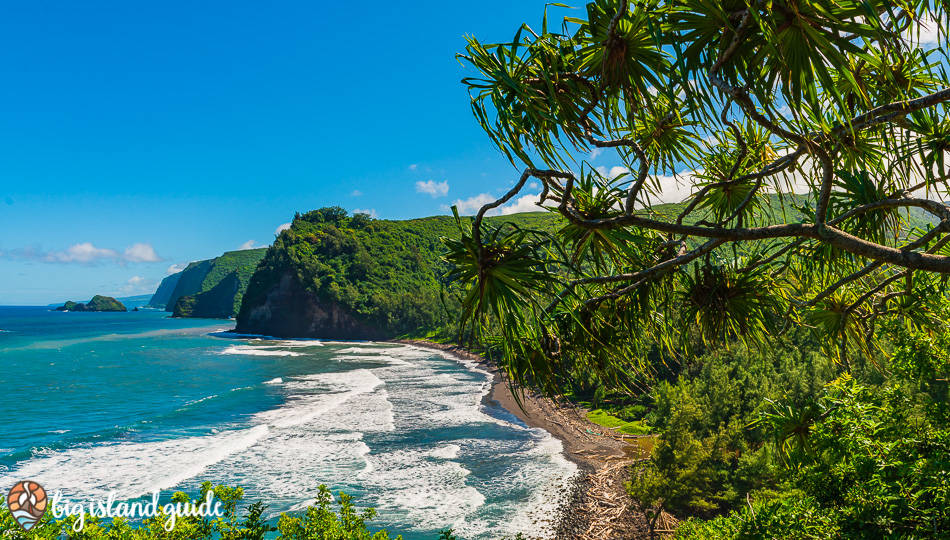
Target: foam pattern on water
{"points": [[401, 428]]}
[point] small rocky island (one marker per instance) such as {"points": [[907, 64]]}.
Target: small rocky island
{"points": [[98, 303]]}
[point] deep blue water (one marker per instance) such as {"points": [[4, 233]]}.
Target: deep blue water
{"points": [[92, 403]]}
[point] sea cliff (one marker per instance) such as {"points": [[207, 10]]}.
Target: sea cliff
{"points": [[288, 310]]}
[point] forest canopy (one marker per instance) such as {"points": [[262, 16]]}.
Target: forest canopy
{"points": [[793, 362], [843, 103]]}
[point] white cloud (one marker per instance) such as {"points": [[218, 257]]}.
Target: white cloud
{"points": [[86, 254], [175, 268], [248, 245], [138, 285], [414, 166], [436, 189], [533, 185], [674, 189], [613, 172], [594, 153], [282, 227], [141, 253], [370, 212], [356, 193], [526, 203], [926, 33], [471, 205]]}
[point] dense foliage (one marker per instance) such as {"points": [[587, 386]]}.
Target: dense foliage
{"points": [[214, 288], [860, 462], [98, 303], [318, 522], [387, 274], [745, 102], [792, 356]]}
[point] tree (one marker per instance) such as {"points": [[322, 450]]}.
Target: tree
{"points": [[745, 102]]}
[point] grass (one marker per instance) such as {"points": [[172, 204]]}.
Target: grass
{"points": [[603, 418]]}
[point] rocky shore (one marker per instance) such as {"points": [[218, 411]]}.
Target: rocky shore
{"points": [[599, 507]]}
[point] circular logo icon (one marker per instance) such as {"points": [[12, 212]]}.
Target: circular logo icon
{"points": [[27, 502]]}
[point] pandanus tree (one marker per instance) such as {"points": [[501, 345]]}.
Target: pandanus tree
{"points": [[810, 136]]}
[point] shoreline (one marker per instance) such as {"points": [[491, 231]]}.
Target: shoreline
{"points": [[598, 506]]}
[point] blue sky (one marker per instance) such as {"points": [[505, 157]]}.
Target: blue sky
{"points": [[136, 136]]}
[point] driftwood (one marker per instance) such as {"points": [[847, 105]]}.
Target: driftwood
{"points": [[605, 503], [666, 523]]}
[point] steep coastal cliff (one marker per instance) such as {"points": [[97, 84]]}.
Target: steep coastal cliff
{"points": [[336, 276], [164, 292], [211, 288], [215, 303], [288, 310]]}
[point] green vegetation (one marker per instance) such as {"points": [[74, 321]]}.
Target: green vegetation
{"points": [[862, 462], [603, 418], [98, 303], [218, 302], [792, 356], [212, 288], [388, 274], [318, 522]]}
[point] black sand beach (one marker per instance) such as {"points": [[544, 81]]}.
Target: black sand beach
{"points": [[599, 507]]}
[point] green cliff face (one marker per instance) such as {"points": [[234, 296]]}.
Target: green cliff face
{"points": [[215, 303], [197, 286], [336, 276], [98, 303], [164, 292]]}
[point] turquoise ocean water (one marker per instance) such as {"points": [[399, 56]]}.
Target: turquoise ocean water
{"points": [[92, 403]]}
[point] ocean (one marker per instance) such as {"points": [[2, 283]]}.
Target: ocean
{"points": [[92, 403]]}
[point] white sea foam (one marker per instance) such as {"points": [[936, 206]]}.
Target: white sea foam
{"points": [[249, 350], [134, 469], [303, 409], [377, 432], [200, 400], [357, 350], [391, 360], [549, 474], [296, 343], [432, 493], [449, 451]]}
